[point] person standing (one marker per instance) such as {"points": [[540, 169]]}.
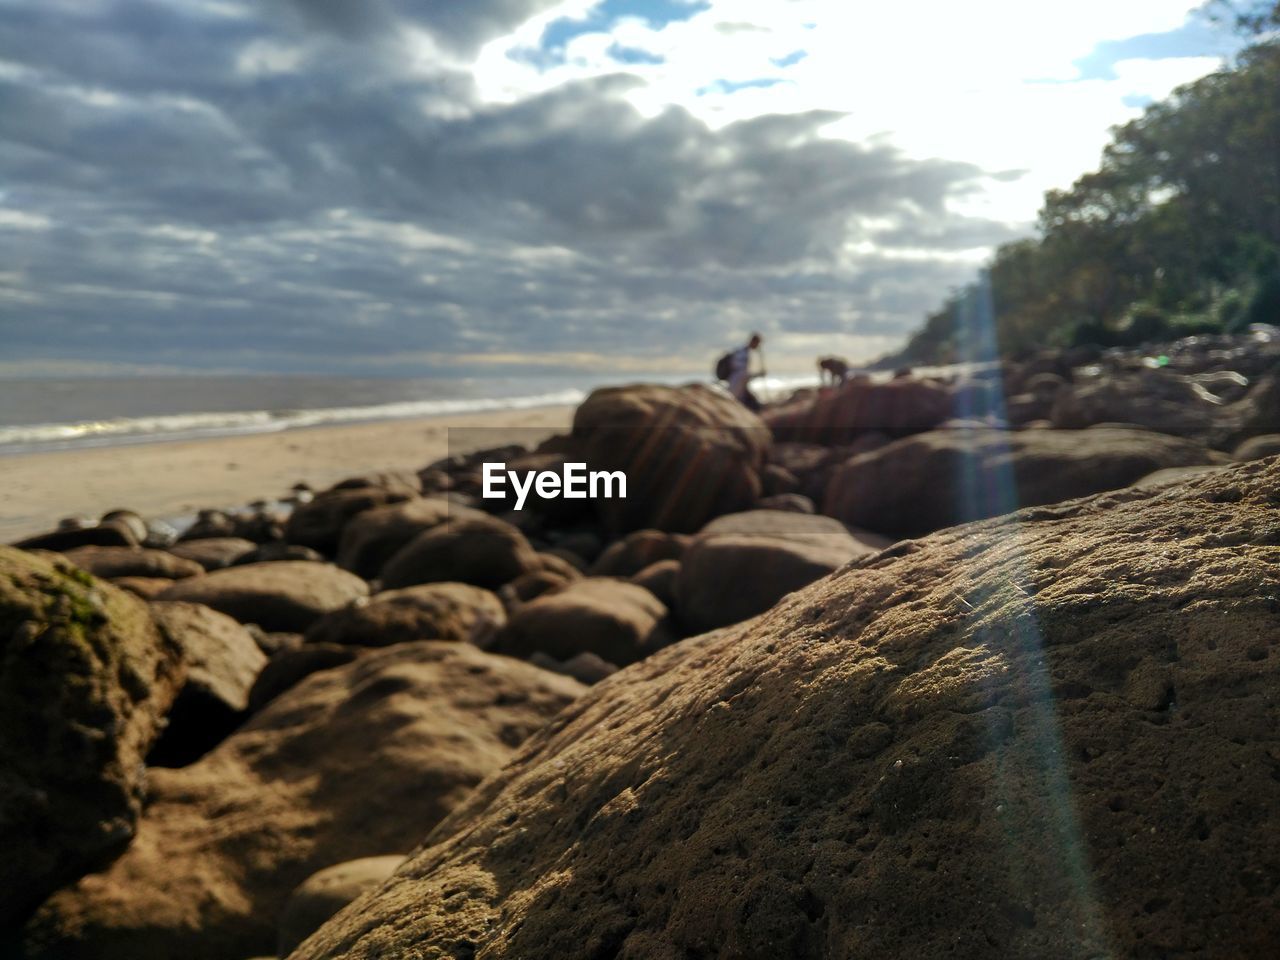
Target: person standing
{"points": [[740, 375]]}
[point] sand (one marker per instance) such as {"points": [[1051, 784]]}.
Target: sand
{"points": [[176, 478]]}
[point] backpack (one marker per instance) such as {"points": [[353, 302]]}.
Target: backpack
{"points": [[724, 367]]}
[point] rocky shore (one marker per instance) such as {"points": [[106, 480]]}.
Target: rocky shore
{"points": [[961, 666]]}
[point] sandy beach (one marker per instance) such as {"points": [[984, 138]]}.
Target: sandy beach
{"points": [[167, 479]]}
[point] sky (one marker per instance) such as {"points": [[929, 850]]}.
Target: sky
{"points": [[499, 187]]}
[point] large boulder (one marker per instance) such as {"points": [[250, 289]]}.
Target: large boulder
{"points": [[1154, 400], [901, 406], [85, 682], [615, 620], [288, 595], [481, 550], [742, 564], [458, 612], [373, 537], [112, 562], [1053, 734], [223, 661], [689, 454], [933, 480], [358, 761]]}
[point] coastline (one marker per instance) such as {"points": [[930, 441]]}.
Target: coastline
{"points": [[171, 478]]}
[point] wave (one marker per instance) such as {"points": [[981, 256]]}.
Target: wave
{"points": [[24, 438]]}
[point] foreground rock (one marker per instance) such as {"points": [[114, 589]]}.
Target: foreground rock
{"points": [[1048, 735], [458, 612], [358, 761], [288, 596], [618, 621], [933, 480], [689, 453], [85, 681]]}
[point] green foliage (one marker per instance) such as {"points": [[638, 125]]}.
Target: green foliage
{"points": [[1183, 209]]}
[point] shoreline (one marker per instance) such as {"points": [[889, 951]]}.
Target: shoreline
{"points": [[175, 477]]}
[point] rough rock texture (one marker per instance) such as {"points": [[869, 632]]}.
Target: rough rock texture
{"points": [[85, 681], [1054, 734], [742, 564], [223, 661], [287, 596], [112, 562], [689, 453], [431, 611], [213, 553], [353, 762], [637, 550], [934, 480], [326, 892], [372, 538], [482, 550], [896, 408], [616, 620], [319, 524]]}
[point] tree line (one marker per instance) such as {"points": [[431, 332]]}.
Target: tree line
{"points": [[1177, 232]]}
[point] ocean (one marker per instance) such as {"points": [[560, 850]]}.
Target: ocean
{"points": [[61, 414]]}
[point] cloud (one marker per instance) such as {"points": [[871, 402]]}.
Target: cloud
{"points": [[330, 186]]}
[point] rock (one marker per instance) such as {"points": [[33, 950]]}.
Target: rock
{"points": [[1255, 448], [354, 762], [586, 544], [741, 565], [319, 524], [1048, 735], [529, 586], [1170, 475], [278, 550], [689, 454], [789, 502], [1155, 401], [210, 525], [223, 661], [103, 535], [584, 667], [555, 564], [482, 550], [618, 621], [145, 587], [457, 612], [112, 562], [287, 595], [326, 892], [290, 665], [637, 550], [939, 479], [128, 518], [660, 579], [372, 538], [402, 482], [213, 553], [900, 407], [85, 681]]}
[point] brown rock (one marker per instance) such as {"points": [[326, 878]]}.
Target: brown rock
{"points": [[935, 480], [290, 665], [112, 562], [616, 620], [213, 553], [145, 587], [373, 537], [458, 612], [897, 408], [1255, 448], [660, 579], [109, 534], [326, 892], [637, 550], [223, 661], [354, 762], [319, 524], [286, 596], [482, 550], [689, 454], [1053, 734], [85, 680]]}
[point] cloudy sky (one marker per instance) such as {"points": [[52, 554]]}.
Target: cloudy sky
{"points": [[420, 186]]}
